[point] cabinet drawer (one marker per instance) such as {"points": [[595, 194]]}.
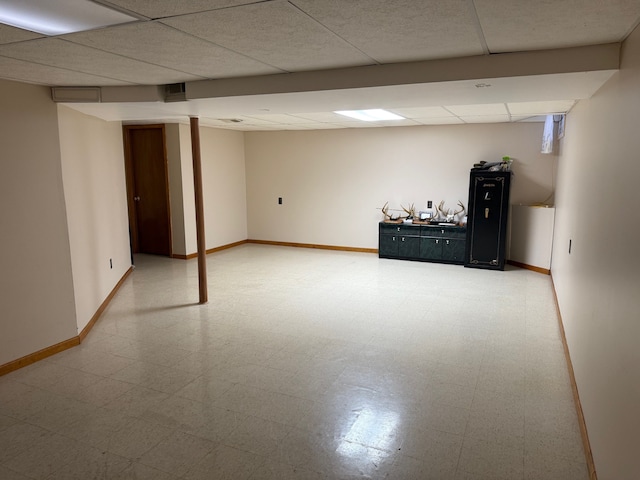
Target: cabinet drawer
{"points": [[443, 231], [432, 231], [455, 232], [399, 229]]}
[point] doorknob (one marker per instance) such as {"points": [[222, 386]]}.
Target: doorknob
{"points": [[136, 199]]}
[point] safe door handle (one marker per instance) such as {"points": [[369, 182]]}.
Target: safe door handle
{"points": [[486, 212]]}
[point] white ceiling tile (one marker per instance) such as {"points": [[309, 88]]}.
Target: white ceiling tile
{"points": [[510, 26], [325, 117], [422, 112], [59, 53], [9, 34], [438, 120], [28, 72], [296, 126], [321, 126], [165, 46], [540, 108], [275, 33], [483, 109], [356, 124], [485, 118], [528, 118], [402, 30], [169, 8], [219, 122], [396, 123], [279, 118]]}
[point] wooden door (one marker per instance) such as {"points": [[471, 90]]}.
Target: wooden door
{"points": [[148, 189]]}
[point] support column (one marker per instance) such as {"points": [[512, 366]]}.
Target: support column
{"points": [[197, 181]]}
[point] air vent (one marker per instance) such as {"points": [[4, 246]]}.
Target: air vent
{"points": [[175, 92]]}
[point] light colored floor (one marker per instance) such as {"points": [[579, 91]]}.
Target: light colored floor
{"points": [[305, 364]]}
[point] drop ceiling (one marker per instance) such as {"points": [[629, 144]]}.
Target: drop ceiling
{"points": [[277, 64]]}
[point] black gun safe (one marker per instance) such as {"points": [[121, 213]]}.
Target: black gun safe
{"points": [[488, 210]]}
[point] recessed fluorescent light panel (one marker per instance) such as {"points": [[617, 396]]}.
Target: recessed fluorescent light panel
{"points": [[60, 16], [373, 115]]}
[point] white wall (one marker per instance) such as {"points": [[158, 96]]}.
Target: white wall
{"points": [[96, 202], [36, 289], [333, 182], [598, 284], [531, 235], [225, 194]]}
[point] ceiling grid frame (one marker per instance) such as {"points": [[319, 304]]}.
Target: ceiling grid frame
{"points": [[514, 27]]}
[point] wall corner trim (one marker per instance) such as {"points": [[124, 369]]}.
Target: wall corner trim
{"points": [[576, 397], [65, 344]]}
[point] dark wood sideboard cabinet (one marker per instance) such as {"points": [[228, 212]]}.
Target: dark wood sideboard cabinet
{"points": [[427, 243]]}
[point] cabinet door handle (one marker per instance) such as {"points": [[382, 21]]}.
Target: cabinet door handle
{"points": [[394, 238], [486, 212], [442, 231], [447, 242], [398, 228], [437, 241], [403, 239]]}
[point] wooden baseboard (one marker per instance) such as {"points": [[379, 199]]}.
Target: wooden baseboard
{"points": [[209, 250], [311, 245], [66, 344], [184, 257], [576, 397], [85, 331], [225, 247], [529, 267], [39, 355]]}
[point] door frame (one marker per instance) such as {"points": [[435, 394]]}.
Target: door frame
{"points": [[128, 168]]}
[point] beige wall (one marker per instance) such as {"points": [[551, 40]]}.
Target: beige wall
{"points": [[36, 289], [225, 194], [176, 193], [334, 182], [598, 284], [96, 203], [223, 172]]}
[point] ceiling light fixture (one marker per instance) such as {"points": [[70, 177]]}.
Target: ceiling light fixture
{"points": [[373, 115], [59, 17]]}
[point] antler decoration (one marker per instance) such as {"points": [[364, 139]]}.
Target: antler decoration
{"points": [[462, 210], [411, 211], [441, 210], [385, 212]]}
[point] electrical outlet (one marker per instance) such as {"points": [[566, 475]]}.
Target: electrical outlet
{"points": [[429, 204], [111, 263], [279, 200]]}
